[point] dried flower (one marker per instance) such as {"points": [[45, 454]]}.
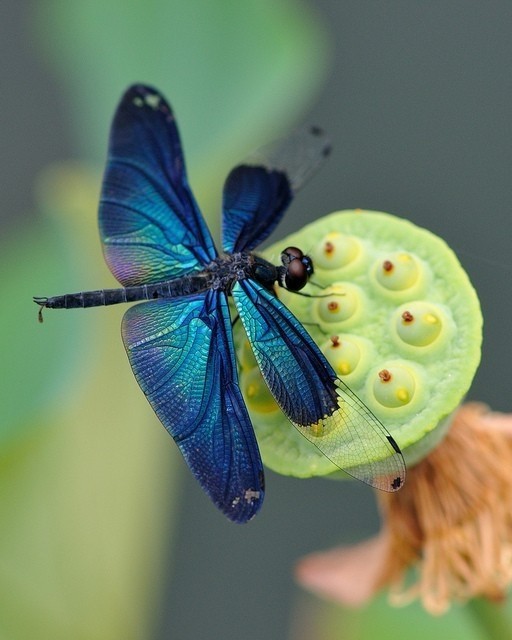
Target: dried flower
{"points": [[451, 523]]}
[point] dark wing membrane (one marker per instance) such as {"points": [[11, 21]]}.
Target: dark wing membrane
{"points": [[254, 201], [258, 192], [150, 225], [308, 391], [182, 355]]}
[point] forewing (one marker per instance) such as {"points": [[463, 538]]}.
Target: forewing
{"points": [[150, 225], [182, 355], [258, 192], [308, 391]]}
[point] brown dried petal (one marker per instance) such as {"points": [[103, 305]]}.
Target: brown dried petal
{"points": [[349, 575], [452, 522]]}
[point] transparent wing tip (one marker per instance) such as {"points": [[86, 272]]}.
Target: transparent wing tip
{"points": [[321, 136], [299, 156]]}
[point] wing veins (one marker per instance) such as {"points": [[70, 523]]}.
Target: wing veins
{"points": [[151, 221], [185, 364], [161, 188], [170, 198]]}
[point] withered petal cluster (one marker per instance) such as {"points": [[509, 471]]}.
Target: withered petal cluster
{"points": [[446, 536]]}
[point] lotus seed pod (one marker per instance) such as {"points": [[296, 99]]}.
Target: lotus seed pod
{"points": [[397, 318]]}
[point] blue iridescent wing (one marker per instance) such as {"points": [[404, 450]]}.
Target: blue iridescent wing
{"points": [[258, 192], [309, 392], [181, 352], [254, 201], [150, 225]]}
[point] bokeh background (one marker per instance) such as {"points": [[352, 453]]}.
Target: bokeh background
{"points": [[103, 532]]}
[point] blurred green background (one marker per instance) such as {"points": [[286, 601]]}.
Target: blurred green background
{"points": [[103, 532]]}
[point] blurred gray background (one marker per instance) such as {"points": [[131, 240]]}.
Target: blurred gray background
{"points": [[418, 105]]}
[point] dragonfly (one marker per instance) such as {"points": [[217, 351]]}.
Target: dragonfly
{"points": [[179, 338]]}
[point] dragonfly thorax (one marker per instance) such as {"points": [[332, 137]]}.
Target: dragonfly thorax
{"points": [[293, 274], [229, 268]]}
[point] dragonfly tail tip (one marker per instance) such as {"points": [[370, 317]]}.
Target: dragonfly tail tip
{"points": [[42, 302]]}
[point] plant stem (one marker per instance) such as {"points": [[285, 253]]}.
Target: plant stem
{"points": [[493, 618]]}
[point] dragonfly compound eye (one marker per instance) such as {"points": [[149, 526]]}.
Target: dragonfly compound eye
{"points": [[289, 254], [297, 275], [298, 268]]}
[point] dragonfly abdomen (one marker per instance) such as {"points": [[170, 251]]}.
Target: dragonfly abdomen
{"points": [[98, 298], [103, 297]]}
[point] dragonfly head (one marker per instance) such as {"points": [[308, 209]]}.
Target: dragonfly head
{"points": [[296, 269]]}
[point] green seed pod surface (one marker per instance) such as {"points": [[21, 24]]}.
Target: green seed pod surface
{"points": [[399, 321]]}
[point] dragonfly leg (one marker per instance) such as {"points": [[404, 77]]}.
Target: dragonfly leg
{"points": [[317, 295]]}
